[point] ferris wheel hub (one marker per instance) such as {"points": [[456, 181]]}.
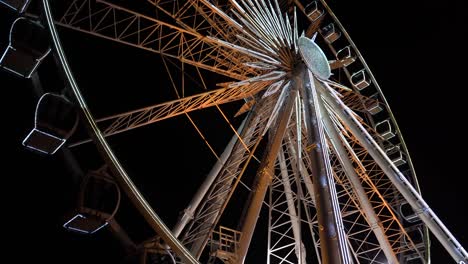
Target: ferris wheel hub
{"points": [[314, 57]]}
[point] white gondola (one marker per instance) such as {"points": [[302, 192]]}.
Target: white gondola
{"points": [[396, 155], [313, 11], [330, 33], [416, 235], [408, 213], [373, 105], [385, 129], [18, 5], [98, 202], [28, 46], [55, 121], [346, 56], [360, 79]]}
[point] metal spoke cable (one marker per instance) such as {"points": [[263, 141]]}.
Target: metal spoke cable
{"points": [[200, 133]]}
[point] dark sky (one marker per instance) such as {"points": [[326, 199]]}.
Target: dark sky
{"points": [[416, 51]]}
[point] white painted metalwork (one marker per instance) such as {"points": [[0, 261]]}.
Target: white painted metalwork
{"points": [[397, 178]]}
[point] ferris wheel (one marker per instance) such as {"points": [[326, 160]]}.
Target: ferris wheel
{"points": [[311, 152]]}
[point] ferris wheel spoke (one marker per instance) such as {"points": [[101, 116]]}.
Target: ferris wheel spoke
{"points": [[370, 199], [304, 166], [285, 211], [119, 123], [328, 211], [352, 185], [202, 83], [202, 16], [264, 173], [398, 180], [355, 101], [381, 196], [207, 215], [112, 22], [302, 161]]}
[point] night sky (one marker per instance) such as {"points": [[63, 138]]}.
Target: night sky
{"points": [[417, 52]]}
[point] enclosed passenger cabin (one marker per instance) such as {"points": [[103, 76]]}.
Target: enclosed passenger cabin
{"points": [[330, 33], [360, 79], [313, 11], [373, 104], [55, 121], [407, 212], [28, 46], [98, 202], [396, 155], [385, 129]]}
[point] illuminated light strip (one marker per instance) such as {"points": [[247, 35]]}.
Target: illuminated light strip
{"points": [[80, 230], [61, 140]]}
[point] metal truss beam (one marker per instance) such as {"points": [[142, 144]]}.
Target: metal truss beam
{"points": [[381, 195], [383, 198], [211, 177], [201, 16], [364, 202], [284, 231], [333, 246], [141, 117], [198, 230], [122, 122], [113, 22], [265, 172], [297, 148]]}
